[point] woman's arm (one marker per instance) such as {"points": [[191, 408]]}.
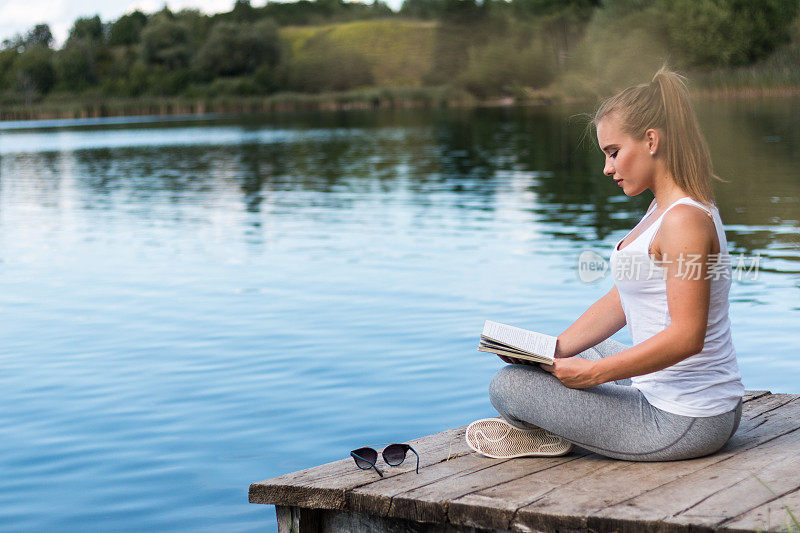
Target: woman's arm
{"points": [[604, 318], [685, 234]]}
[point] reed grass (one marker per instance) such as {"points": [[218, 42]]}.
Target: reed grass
{"points": [[66, 107], [776, 75], [792, 523]]}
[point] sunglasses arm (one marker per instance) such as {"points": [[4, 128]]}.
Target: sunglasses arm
{"points": [[370, 462], [415, 453]]}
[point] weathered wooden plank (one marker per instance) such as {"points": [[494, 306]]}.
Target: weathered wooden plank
{"points": [[376, 498], [496, 506], [285, 519], [351, 522], [431, 503], [586, 495], [635, 479], [751, 395], [579, 491], [425, 498], [325, 486], [298, 520], [710, 496], [766, 404], [747, 492], [573, 490], [779, 514], [728, 488]]}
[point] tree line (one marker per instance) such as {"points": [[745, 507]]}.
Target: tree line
{"points": [[484, 47]]}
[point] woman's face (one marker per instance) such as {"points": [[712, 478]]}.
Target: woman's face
{"points": [[628, 161]]}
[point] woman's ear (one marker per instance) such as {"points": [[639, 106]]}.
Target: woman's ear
{"points": [[652, 138]]}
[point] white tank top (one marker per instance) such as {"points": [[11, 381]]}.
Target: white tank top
{"points": [[705, 384]]}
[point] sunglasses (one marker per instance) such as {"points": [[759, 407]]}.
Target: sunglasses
{"points": [[393, 455]]}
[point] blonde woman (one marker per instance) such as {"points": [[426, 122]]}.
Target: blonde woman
{"points": [[677, 392]]}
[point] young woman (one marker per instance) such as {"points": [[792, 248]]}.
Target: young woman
{"points": [[677, 392]]}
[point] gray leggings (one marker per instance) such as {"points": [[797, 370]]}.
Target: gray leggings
{"points": [[612, 419]]}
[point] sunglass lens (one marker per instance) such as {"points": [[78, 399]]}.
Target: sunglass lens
{"points": [[394, 454], [365, 458]]}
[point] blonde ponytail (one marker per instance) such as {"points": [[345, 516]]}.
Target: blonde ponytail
{"points": [[664, 105]]}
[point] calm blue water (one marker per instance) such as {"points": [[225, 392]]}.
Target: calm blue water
{"points": [[189, 306]]}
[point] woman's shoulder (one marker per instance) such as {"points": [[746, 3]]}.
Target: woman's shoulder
{"points": [[687, 210], [689, 215], [686, 224]]}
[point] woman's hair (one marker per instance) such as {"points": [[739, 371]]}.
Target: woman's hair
{"points": [[663, 104]]}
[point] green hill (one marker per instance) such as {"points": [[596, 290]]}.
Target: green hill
{"points": [[399, 52]]}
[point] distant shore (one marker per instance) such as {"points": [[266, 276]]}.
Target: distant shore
{"points": [[286, 102], [378, 98]]}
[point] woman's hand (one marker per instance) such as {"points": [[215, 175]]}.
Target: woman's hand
{"points": [[574, 372]]}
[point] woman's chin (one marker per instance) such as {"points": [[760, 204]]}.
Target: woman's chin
{"points": [[630, 191]]}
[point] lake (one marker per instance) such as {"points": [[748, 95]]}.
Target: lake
{"points": [[194, 304]]}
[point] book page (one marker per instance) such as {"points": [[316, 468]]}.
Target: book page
{"points": [[525, 356], [530, 341]]}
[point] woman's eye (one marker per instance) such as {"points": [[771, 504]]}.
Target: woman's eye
{"points": [[614, 155]]}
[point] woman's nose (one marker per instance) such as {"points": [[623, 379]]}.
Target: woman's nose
{"points": [[608, 170]]}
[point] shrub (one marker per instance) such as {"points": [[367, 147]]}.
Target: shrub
{"points": [[502, 65], [236, 49], [242, 86], [75, 66], [34, 72], [127, 29], [727, 32], [165, 42]]}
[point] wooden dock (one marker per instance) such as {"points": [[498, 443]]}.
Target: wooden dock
{"points": [[752, 484]]}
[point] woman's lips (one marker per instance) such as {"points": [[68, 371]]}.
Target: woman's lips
{"points": [[619, 181]]}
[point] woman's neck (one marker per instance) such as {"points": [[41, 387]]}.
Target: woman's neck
{"points": [[666, 192]]}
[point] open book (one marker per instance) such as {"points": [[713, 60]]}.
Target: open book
{"points": [[519, 343]]}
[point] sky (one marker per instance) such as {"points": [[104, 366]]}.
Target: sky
{"points": [[18, 16]]}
